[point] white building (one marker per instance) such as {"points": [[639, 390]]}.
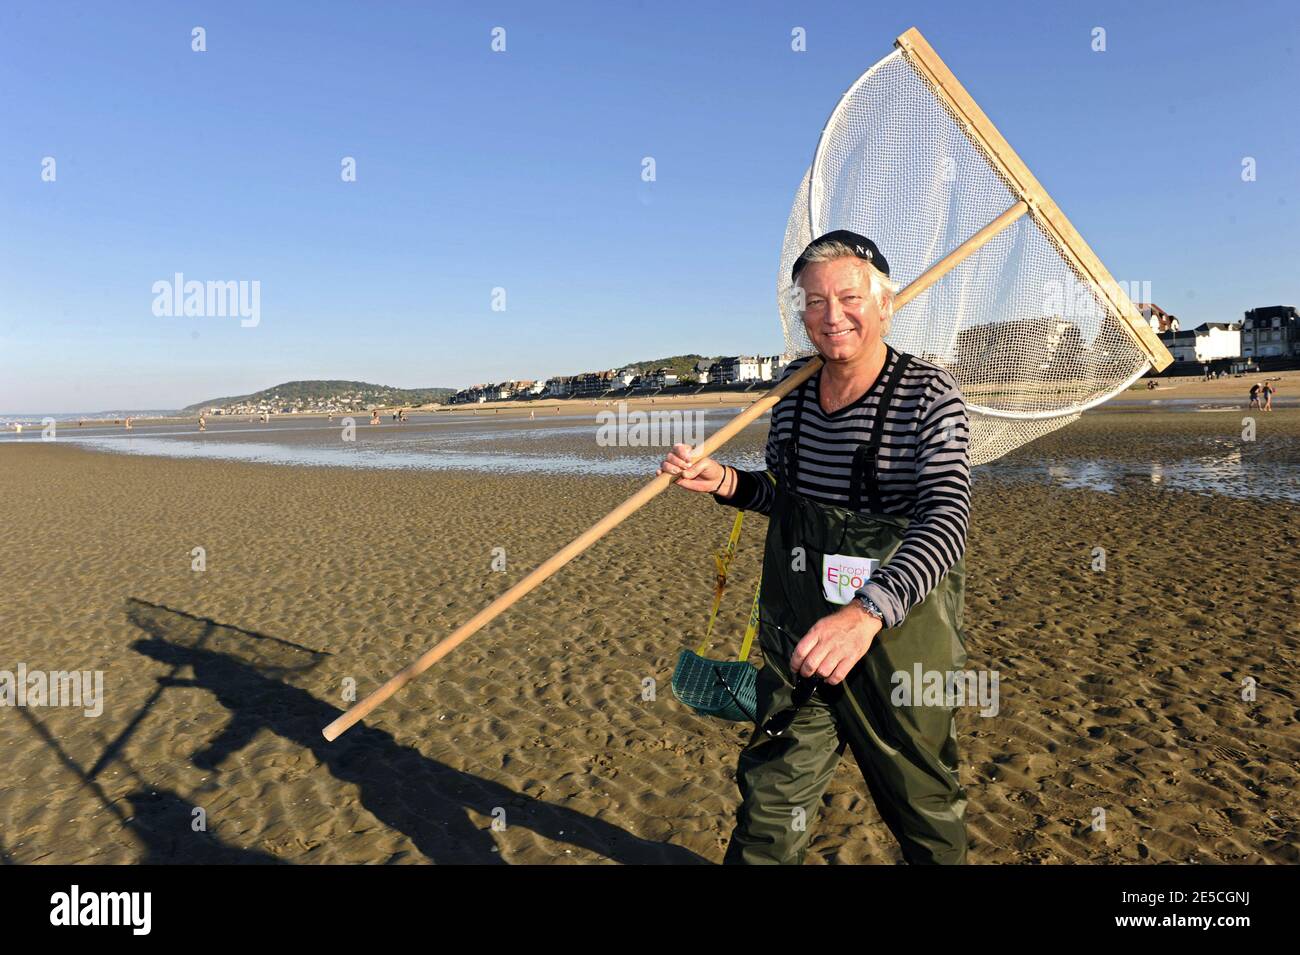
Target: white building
{"points": [[1210, 341], [741, 368]]}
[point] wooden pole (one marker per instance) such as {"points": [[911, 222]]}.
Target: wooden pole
{"points": [[642, 497]]}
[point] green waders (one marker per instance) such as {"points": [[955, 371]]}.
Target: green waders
{"points": [[907, 753]]}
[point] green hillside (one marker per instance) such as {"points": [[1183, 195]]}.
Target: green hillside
{"points": [[320, 395]]}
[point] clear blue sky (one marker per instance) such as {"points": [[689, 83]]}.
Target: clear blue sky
{"points": [[522, 170]]}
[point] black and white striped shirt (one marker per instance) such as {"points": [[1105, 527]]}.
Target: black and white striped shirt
{"points": [[923, 471]]}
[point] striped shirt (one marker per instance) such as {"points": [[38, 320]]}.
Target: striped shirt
{"points": [[923, 471]]}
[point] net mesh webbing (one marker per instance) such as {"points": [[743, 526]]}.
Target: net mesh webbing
{"points": [[1029, 340]]}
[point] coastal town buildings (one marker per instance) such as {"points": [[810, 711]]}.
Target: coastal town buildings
{"points": [[1271, 332], [1157, 317], [739, 369], [1208, 342], [661, 378]]}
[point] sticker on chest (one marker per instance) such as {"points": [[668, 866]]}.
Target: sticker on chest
{"points": [[844, 575]]}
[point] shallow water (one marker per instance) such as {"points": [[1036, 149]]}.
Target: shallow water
{"points": [[394, 455], [1194, 404], [1209, 463], [551, 444], [1231, 475]]}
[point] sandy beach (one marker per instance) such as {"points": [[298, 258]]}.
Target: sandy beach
{"points": [[1121, 690]]}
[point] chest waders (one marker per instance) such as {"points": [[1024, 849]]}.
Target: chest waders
{"points": [[907, 753]]}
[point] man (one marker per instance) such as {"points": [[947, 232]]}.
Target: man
{"points": [[867, 490]]}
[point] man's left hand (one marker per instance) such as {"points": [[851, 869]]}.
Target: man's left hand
{"points": [[836, 643]]}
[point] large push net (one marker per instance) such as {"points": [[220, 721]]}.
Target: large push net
{"points": [[1031, 341]]}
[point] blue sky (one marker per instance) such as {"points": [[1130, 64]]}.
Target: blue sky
{"points": [[522, 170]]}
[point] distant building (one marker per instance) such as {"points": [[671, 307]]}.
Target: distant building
{"points": [[1047, 343], [661, 378], [561, 386], [466, 395], [509, 390], [1208, 342], [734, 369], [1271, 331], [1157, 317], [593, 383]]}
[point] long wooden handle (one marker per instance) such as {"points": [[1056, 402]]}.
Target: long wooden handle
{"points": [[649, 492], [567, 553]]}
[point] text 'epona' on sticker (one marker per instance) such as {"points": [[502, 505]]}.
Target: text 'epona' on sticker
{"points": [[843, 576]]}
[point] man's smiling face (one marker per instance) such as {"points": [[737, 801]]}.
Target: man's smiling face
{"points": [[841, 315]]}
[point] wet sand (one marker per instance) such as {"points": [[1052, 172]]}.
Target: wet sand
{"points": [[1121, 690]]}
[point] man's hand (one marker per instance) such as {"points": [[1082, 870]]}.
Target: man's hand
{"points": [[704, 475], [836, 643]]}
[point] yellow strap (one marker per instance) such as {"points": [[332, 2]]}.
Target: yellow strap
{"points": [[753, 623], [723, 559]]}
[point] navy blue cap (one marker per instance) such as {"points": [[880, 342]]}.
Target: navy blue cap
{"points": [[862, 247]]}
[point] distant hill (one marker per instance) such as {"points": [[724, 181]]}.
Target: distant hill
{"points": [[322, 395]]}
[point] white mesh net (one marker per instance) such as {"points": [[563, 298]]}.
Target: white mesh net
{"points": [[1028, 339]]}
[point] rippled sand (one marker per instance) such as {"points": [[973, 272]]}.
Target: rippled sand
{"points": [[1120, 690]]}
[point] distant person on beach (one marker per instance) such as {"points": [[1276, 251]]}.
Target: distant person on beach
{"points": [[884, 586], [128, 424], [374, 417], [1254, 395], [1268, 396], [203, 424]]}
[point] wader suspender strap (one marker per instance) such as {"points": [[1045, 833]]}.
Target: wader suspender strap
{"points": [[866, 453], [790, 466], [864, 461]]}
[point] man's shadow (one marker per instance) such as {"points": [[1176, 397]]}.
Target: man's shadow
{"points": [[159, 819], [420, 797], [164, 822]]}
